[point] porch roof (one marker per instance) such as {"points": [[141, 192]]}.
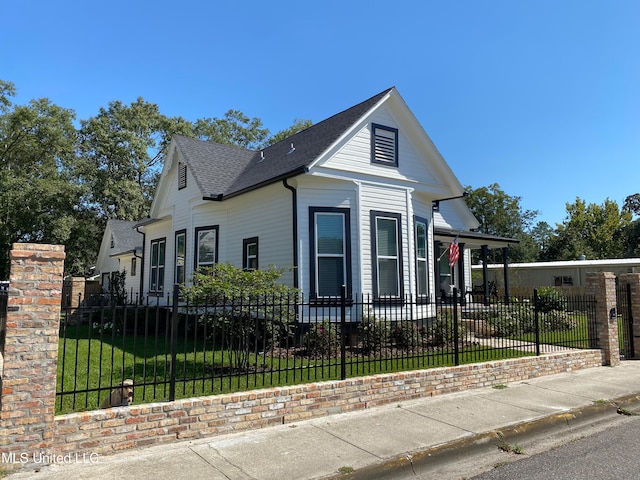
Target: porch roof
{"points": [[472, 239]]}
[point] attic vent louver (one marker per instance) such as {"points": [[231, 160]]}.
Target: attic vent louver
{"points": [[182, 175], [384, 145]]}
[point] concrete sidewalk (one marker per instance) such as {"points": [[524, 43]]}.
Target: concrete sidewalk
{"points": [[383, 442]]}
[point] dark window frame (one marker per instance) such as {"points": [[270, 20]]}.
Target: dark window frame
{"points": [[160, 268], [417, 220], [176, 278], [246, 242], [374, 216], [313, 284], [196, 251]]}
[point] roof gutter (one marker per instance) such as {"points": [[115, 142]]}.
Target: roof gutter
{"points": [[220, 197], [294, 208], [141, 270]]}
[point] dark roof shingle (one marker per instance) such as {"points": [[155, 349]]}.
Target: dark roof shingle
{"points": [[223, 170], [125, 237]]}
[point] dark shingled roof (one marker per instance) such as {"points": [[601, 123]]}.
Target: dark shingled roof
{"points": [[223, 171], [125, 237]]}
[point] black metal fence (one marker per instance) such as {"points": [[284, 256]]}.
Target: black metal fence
{"points": [[625, 320], [182, 350]]}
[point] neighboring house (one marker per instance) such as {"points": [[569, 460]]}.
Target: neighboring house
{"points": [[349, 200], [121, 250], [566, 274]]}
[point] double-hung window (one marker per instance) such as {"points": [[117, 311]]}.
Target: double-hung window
{"points": [[330, 251], [180, 252], [158, 250], [422, 270], [387, 254], [206, 247], [250, 253]]}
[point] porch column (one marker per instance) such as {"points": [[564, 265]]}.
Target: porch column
{"points": [[461, 278], [485, 273], [505, 269], [603, 286], [437, 245]]}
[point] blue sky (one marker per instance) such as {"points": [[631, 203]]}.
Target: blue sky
{"points": [[541, 97]]}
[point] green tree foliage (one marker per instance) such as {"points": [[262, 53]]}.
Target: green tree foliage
{"points": [[297, 126], [60, 183], [632, 231], [502, 215], [234, 128], [632, 204], [120, 148], [40, 193], [242, 308], [596, 231]]}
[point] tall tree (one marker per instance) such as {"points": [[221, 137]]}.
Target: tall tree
{"points": [[595, 231], [234, 128], [120, 147], [297, 126], [502, 214], [632, 231], [40, 195]]}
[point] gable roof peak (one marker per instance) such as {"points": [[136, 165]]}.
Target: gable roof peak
{"points": [[222, 170]]}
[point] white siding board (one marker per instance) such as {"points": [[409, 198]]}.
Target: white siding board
{"points": [[355, 155]]}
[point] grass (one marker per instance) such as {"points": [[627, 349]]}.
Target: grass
{"points": [[90, 365], [577, 337]]}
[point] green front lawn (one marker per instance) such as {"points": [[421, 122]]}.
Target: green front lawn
{"points": [[91, 365]]}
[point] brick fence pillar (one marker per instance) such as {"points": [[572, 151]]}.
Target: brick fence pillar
{"points": [[28, 378], [603, 286], [633, 279]]}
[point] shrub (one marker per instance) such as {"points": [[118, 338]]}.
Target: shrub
{"points": [[242, 307], [512, 322], [441, 333], [556, 320], [406, 335], [322, 339], [550, 299], [373, 334]]}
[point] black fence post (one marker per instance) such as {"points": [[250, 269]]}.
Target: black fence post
{"points": [[536, 319], [456, 332], [343, 332], [174, 343]]}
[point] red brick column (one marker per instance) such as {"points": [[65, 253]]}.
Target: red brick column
{"points": [[633, 279], [603, 286], [31, 351]]}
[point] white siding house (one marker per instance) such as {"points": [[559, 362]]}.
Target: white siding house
{"points": [[347, 201], [120, 251]]}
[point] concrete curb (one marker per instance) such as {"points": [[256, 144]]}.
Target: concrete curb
{"points": [[433, 457]]}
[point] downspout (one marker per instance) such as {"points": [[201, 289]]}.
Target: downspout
{"points": [[144, 238], [294, 208]]}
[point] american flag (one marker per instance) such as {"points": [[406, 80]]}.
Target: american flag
{"points": [[454, 252]]}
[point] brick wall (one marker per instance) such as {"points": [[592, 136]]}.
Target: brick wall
{"points": [[28, 376], [28, 379], [111, 430], [603, 286]]}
